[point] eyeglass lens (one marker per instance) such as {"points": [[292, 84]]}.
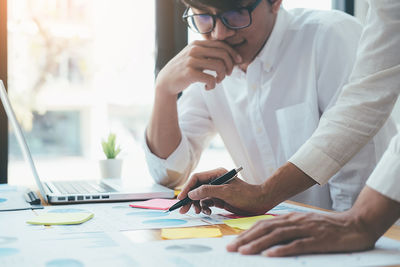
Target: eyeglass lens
{"points": [[234, 19]]}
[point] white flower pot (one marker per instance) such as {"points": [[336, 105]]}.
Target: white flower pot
{"points": [[111, 168]]}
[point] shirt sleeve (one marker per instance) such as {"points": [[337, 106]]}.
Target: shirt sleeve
{"points": [[386, 176], [336, 53], [365, 102], [197, 129]]}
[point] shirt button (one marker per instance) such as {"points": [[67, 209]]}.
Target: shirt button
{"points": [[253, 86], [259, 130], [271, 170]]}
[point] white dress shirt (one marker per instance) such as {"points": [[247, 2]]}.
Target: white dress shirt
{"points": [[363, 106], [264, 115]]}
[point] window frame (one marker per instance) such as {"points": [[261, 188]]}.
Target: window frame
{"points": [[3, 77]]}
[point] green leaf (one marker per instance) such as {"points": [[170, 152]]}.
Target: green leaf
{"points": [[109, 147]]}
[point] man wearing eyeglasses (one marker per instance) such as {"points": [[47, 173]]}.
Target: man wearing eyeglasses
{"points": [[261, 79]]}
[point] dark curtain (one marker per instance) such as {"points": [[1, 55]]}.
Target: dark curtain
{"points": [[171, 32], [344, 5]]}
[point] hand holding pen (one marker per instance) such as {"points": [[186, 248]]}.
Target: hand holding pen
{"points": [[223, 179], [235, 196]]}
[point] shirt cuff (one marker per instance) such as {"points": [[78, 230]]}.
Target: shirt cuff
{"points": [[176, 163], [385, 178], [315, 163]]}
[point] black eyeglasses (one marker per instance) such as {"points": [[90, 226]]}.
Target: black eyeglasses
{"points": [[232, 19]]}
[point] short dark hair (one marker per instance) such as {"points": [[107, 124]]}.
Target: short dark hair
{"points": [[218, 4]]}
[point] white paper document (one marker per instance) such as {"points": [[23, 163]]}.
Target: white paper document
{"points": [[72, 249], [121, 217], [12, 198], [212, 252], [100, 242]]}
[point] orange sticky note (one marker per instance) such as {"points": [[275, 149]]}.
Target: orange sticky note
{"points": [[190, 232], [155, 204]]}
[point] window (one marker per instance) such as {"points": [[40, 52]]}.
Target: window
{"points": [[78, 69], [314, 4]]}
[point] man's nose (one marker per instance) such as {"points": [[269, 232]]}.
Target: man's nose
{"points": [[221, 32]]}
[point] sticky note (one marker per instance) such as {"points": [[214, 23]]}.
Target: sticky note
{"points": [[50, 218], [236, 216], [155, 204], [247, 222], [190, 232]]}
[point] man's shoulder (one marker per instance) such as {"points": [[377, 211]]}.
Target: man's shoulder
{"points": [[320, 19]]}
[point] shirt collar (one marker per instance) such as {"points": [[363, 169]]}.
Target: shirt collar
{"points": [[269, 51]]}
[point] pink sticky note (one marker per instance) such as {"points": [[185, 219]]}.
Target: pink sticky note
{"points": [[155, 204]]}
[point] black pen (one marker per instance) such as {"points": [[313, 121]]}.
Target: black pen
{"points": [[223, 179]]}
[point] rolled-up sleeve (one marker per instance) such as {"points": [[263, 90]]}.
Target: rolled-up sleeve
{"points": [[172, 170]]}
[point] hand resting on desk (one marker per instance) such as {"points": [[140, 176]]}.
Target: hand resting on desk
{"points": [[303, 233]]}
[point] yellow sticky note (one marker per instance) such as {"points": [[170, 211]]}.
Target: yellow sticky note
{"points": [[190, 232], [247, 222], [61, 218]]}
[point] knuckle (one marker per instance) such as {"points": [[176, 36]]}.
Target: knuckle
{"points": [[222, 170], [278, 233], [240, 242], [195, 43], [298, 244], [253, 246], [190, 61], [188, 72], [205, 189], [258, 223]]}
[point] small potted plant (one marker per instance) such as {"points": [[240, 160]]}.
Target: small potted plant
{"points": [[110, 167]]}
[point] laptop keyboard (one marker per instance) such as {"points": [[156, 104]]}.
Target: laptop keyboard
{"points": [[82, 187]]}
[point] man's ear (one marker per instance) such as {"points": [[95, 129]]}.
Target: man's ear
{"points": [[275, 5]]}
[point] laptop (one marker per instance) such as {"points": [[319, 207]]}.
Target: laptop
{"points": [[66, 192]]}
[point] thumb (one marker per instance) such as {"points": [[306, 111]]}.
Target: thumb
{"points": [[206, 191]]}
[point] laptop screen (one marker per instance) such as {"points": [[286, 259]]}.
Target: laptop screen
{"points": [[20, 137]]}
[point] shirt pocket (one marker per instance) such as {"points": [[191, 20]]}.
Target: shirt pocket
{"points": [[296, 124]]}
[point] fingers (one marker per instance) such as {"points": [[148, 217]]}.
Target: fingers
{"points": [[217, 49], [205, 205], [198, 179], [190, 65], [296, 247], [258, 230], [206, 191], [185, 208], [197, 207], [276, 237], [224, 192], [210, 55]]}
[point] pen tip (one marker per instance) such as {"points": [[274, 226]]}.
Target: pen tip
{"points": [[239, 169]]}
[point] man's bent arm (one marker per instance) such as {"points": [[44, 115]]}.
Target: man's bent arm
{"points": [[365, 102], [285, 183], [163, 133]]}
